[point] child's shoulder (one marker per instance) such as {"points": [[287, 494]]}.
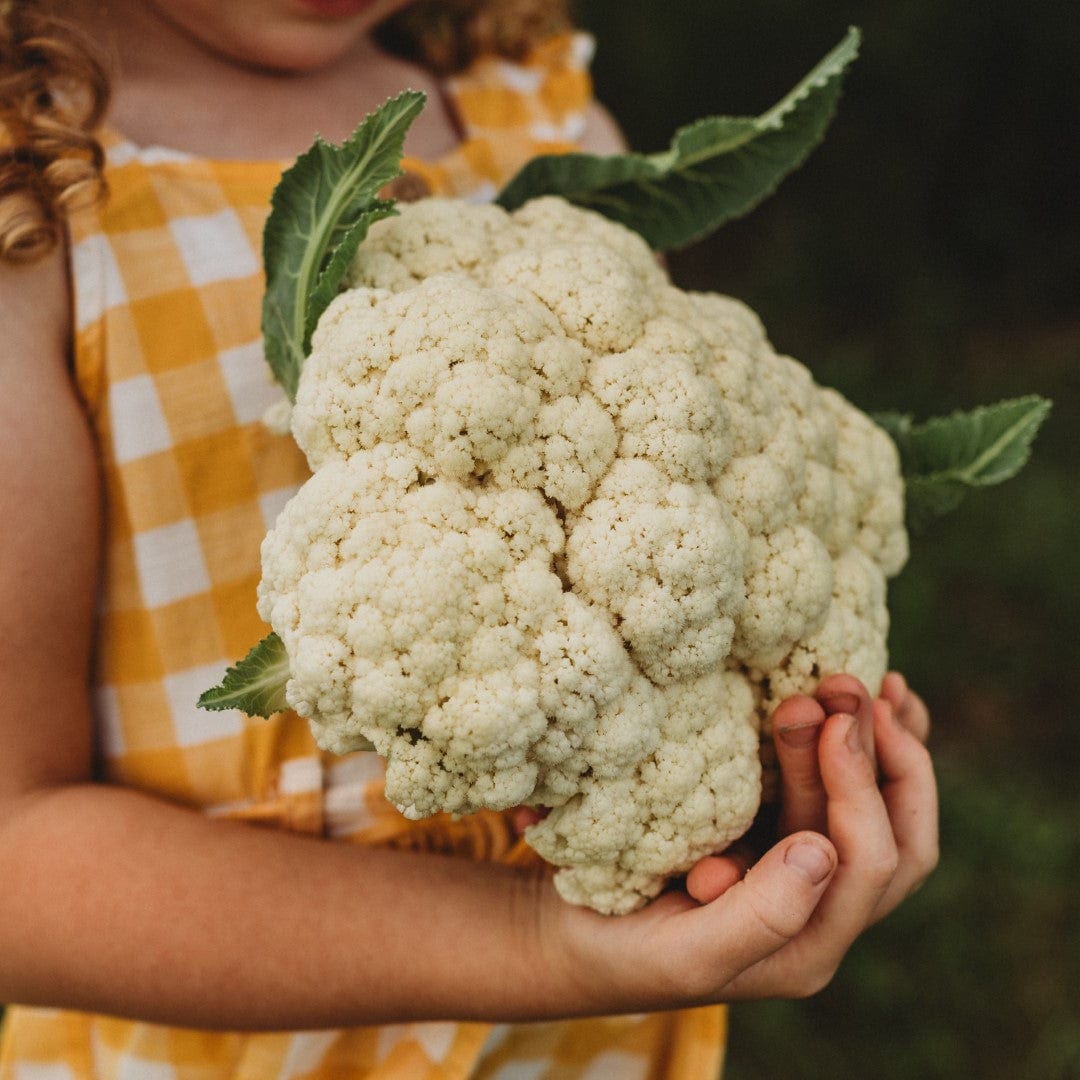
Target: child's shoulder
{"points": [[552, 77], [511, 110]]}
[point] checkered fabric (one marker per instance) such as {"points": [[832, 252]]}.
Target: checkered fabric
{"points": [[167, 286]]}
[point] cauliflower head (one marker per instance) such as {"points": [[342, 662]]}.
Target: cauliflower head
{"points": [[571, 534]]}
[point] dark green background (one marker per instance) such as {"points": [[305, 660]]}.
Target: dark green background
{"points": [[926, 259]]}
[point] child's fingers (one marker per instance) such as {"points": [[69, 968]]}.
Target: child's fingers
{"points": [[915, 716], [677, 953], [885, 841], [712, 876], [796, 724], [910, 709], [796, 729], [894, 689], [860, 830], [909, 792], [846, 694], [757, 916]]}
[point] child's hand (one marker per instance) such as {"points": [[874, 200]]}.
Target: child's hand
{"points": [[910, 709], [857, 835], [893, 728]]}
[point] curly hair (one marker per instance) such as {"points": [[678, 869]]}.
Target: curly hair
{"points": [[54, 91]]}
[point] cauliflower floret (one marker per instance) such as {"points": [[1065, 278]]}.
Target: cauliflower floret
{"points": [[433, 243], [664, 411], [867, 459], [446, 367], [667, 561], [552, 221], [621, 838], [596, 295], [572, 534], [789, 583]]}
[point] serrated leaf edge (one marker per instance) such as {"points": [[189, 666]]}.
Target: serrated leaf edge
{"points": [[831, 66], [1021, 433], [673, 161]]}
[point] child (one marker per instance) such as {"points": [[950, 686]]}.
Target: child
{"points": [[148, 928]]}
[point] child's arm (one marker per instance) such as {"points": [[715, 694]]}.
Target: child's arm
{"points": [[117, 902], [120, 902]]}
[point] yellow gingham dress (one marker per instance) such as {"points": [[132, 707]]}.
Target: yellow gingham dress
{"points": [[167, 284]]}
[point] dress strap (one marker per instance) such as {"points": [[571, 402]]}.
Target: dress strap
{"points": [[509, 112], [543, 96]]}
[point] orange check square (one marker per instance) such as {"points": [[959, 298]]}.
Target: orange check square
{"points": [[121, 576], [149, 262], [194, 400], [215, 472], [154, 491], [132, 203], [230, 539], [173, 330], [241, 627], [122, 346], [277, 460], [233, 310], [145, 723], [186, 632], [129, 653]]}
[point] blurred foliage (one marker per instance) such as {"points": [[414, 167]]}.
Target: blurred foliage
{"points": [[973, 977], [926, 258]]}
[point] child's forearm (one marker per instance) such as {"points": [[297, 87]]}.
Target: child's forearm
{"points": [[119, 903]]}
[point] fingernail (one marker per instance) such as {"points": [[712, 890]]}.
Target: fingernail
{"points": [[811, 860], [853, 740], [799, 736], [840, 703]]}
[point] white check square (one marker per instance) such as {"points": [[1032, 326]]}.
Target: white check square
{"points": [[170, 564], [194, 726], [251, 387], [138, 422], [101, 285], [214, 248]]}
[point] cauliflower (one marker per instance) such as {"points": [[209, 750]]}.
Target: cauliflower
{"points": [[571, 535]]}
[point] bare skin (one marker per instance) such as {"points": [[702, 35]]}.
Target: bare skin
{"points": [[121, 902], [286, 75], [891, 732]]}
